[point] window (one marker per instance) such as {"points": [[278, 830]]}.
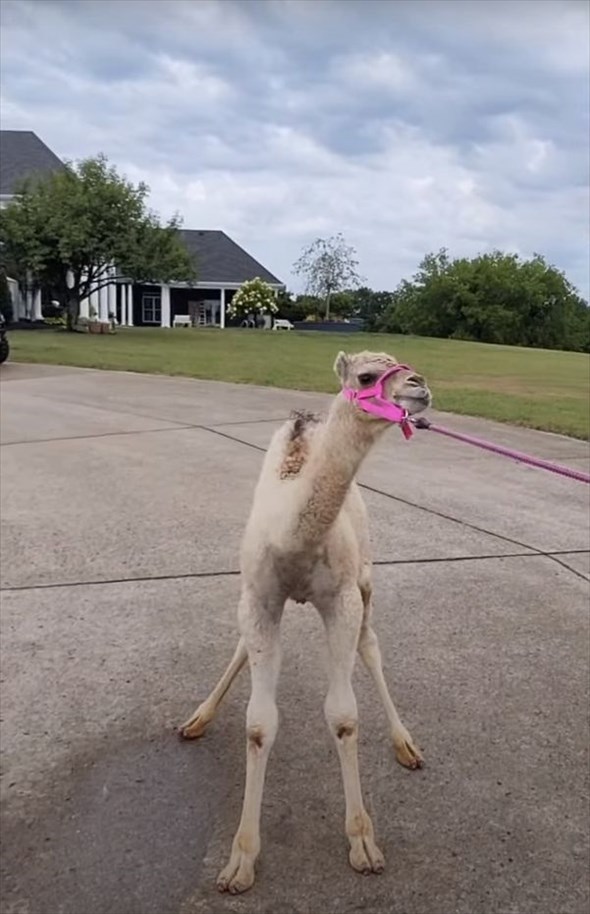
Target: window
{"points": [[151, 309]]}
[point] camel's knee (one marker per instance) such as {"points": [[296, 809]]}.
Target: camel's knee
{"points": [[260, 738], [365, 584], [342, 716], [261, 726], [344, 728]]}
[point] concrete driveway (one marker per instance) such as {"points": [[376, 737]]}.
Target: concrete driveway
{"points": [[123, 501]]}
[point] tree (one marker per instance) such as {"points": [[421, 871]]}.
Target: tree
{"points": [[371, 306], [254, 297], [290, 306], [70, 230], [5, 298], [329, 265], [493, 298]]}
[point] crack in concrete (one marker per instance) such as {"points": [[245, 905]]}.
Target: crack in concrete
{"points": [[431, 511], [215, 430], [137, 431], [227, 573]]}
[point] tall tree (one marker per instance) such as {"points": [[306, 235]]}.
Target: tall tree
{"points": [[329, 265], [69, 231]]}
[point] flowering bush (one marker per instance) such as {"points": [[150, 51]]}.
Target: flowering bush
{"points": [[253, 297]]}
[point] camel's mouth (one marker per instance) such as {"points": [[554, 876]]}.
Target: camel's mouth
{"points": [[414, 401]]}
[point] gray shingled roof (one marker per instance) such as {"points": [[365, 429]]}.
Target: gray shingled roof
{"points": [[219, 259], [23, 155]]}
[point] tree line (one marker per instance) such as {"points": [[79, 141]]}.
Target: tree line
{"points": [[69, 231], [492, 298]]}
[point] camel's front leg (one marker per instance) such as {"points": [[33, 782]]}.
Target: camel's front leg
{"points": [[196, 724], [343, 620], [260, 629]]}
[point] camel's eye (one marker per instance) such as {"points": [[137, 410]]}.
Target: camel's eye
{"points": [[366, 379]]}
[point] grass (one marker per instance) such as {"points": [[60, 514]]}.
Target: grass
{"points": [[531, 387]]}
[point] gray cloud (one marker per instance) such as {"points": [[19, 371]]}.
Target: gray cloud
{"points": [[407, 126]]}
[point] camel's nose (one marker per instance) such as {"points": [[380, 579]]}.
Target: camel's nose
{"points": [[418, 386]]}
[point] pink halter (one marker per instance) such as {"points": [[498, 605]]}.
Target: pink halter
{"points": [[372, 400]]}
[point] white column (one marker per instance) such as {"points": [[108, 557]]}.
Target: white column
{"points": [[37, 310], [130, 305], [29, 303], [94, 304], [165, 305], [123, 297], [84, 302], [222, 310], [14, 290], [112, 293], [17, 301], [103, 309]]}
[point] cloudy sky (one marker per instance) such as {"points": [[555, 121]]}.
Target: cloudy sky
{"points": [[407, 126]]}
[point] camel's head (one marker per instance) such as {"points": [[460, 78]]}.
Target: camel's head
{"points": [[363, 370]]}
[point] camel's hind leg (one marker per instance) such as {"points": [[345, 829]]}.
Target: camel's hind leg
{"points": [[195, 725], [407, 753]]}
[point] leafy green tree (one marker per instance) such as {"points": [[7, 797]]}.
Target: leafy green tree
{"points": [[290, 306], [493, 298], [342, 304], [254, 297], [371, 306], [69, 230], [311, 306], [329, 266]]}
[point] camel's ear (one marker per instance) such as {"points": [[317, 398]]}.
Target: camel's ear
{"points": [[341, 366]]}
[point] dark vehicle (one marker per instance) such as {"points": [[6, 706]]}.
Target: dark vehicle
{"points": [[4, 345]]}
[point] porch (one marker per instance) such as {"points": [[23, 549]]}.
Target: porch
{"points": [[159, 305], [143, 305]]}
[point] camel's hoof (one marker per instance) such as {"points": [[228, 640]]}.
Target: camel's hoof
{"points": [[407, 754], [238, 875], [194, 727], [365, 857]]}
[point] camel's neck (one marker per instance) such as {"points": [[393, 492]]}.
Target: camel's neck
{"points": [[336, 456]]}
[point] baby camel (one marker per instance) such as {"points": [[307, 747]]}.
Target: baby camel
{"points": [[307, 540]]}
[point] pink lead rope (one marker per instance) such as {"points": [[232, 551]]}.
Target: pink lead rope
{"points": [[373, 400], [505, 451]]}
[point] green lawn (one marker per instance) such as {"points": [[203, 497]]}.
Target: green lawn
{"points": [[531, 387]]}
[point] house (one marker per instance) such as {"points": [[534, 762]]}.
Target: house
{"points": [[23, 155], [221, 264]]}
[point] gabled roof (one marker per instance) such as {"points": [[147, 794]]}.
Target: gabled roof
{"points": [[23, 155], [219, 259]]}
